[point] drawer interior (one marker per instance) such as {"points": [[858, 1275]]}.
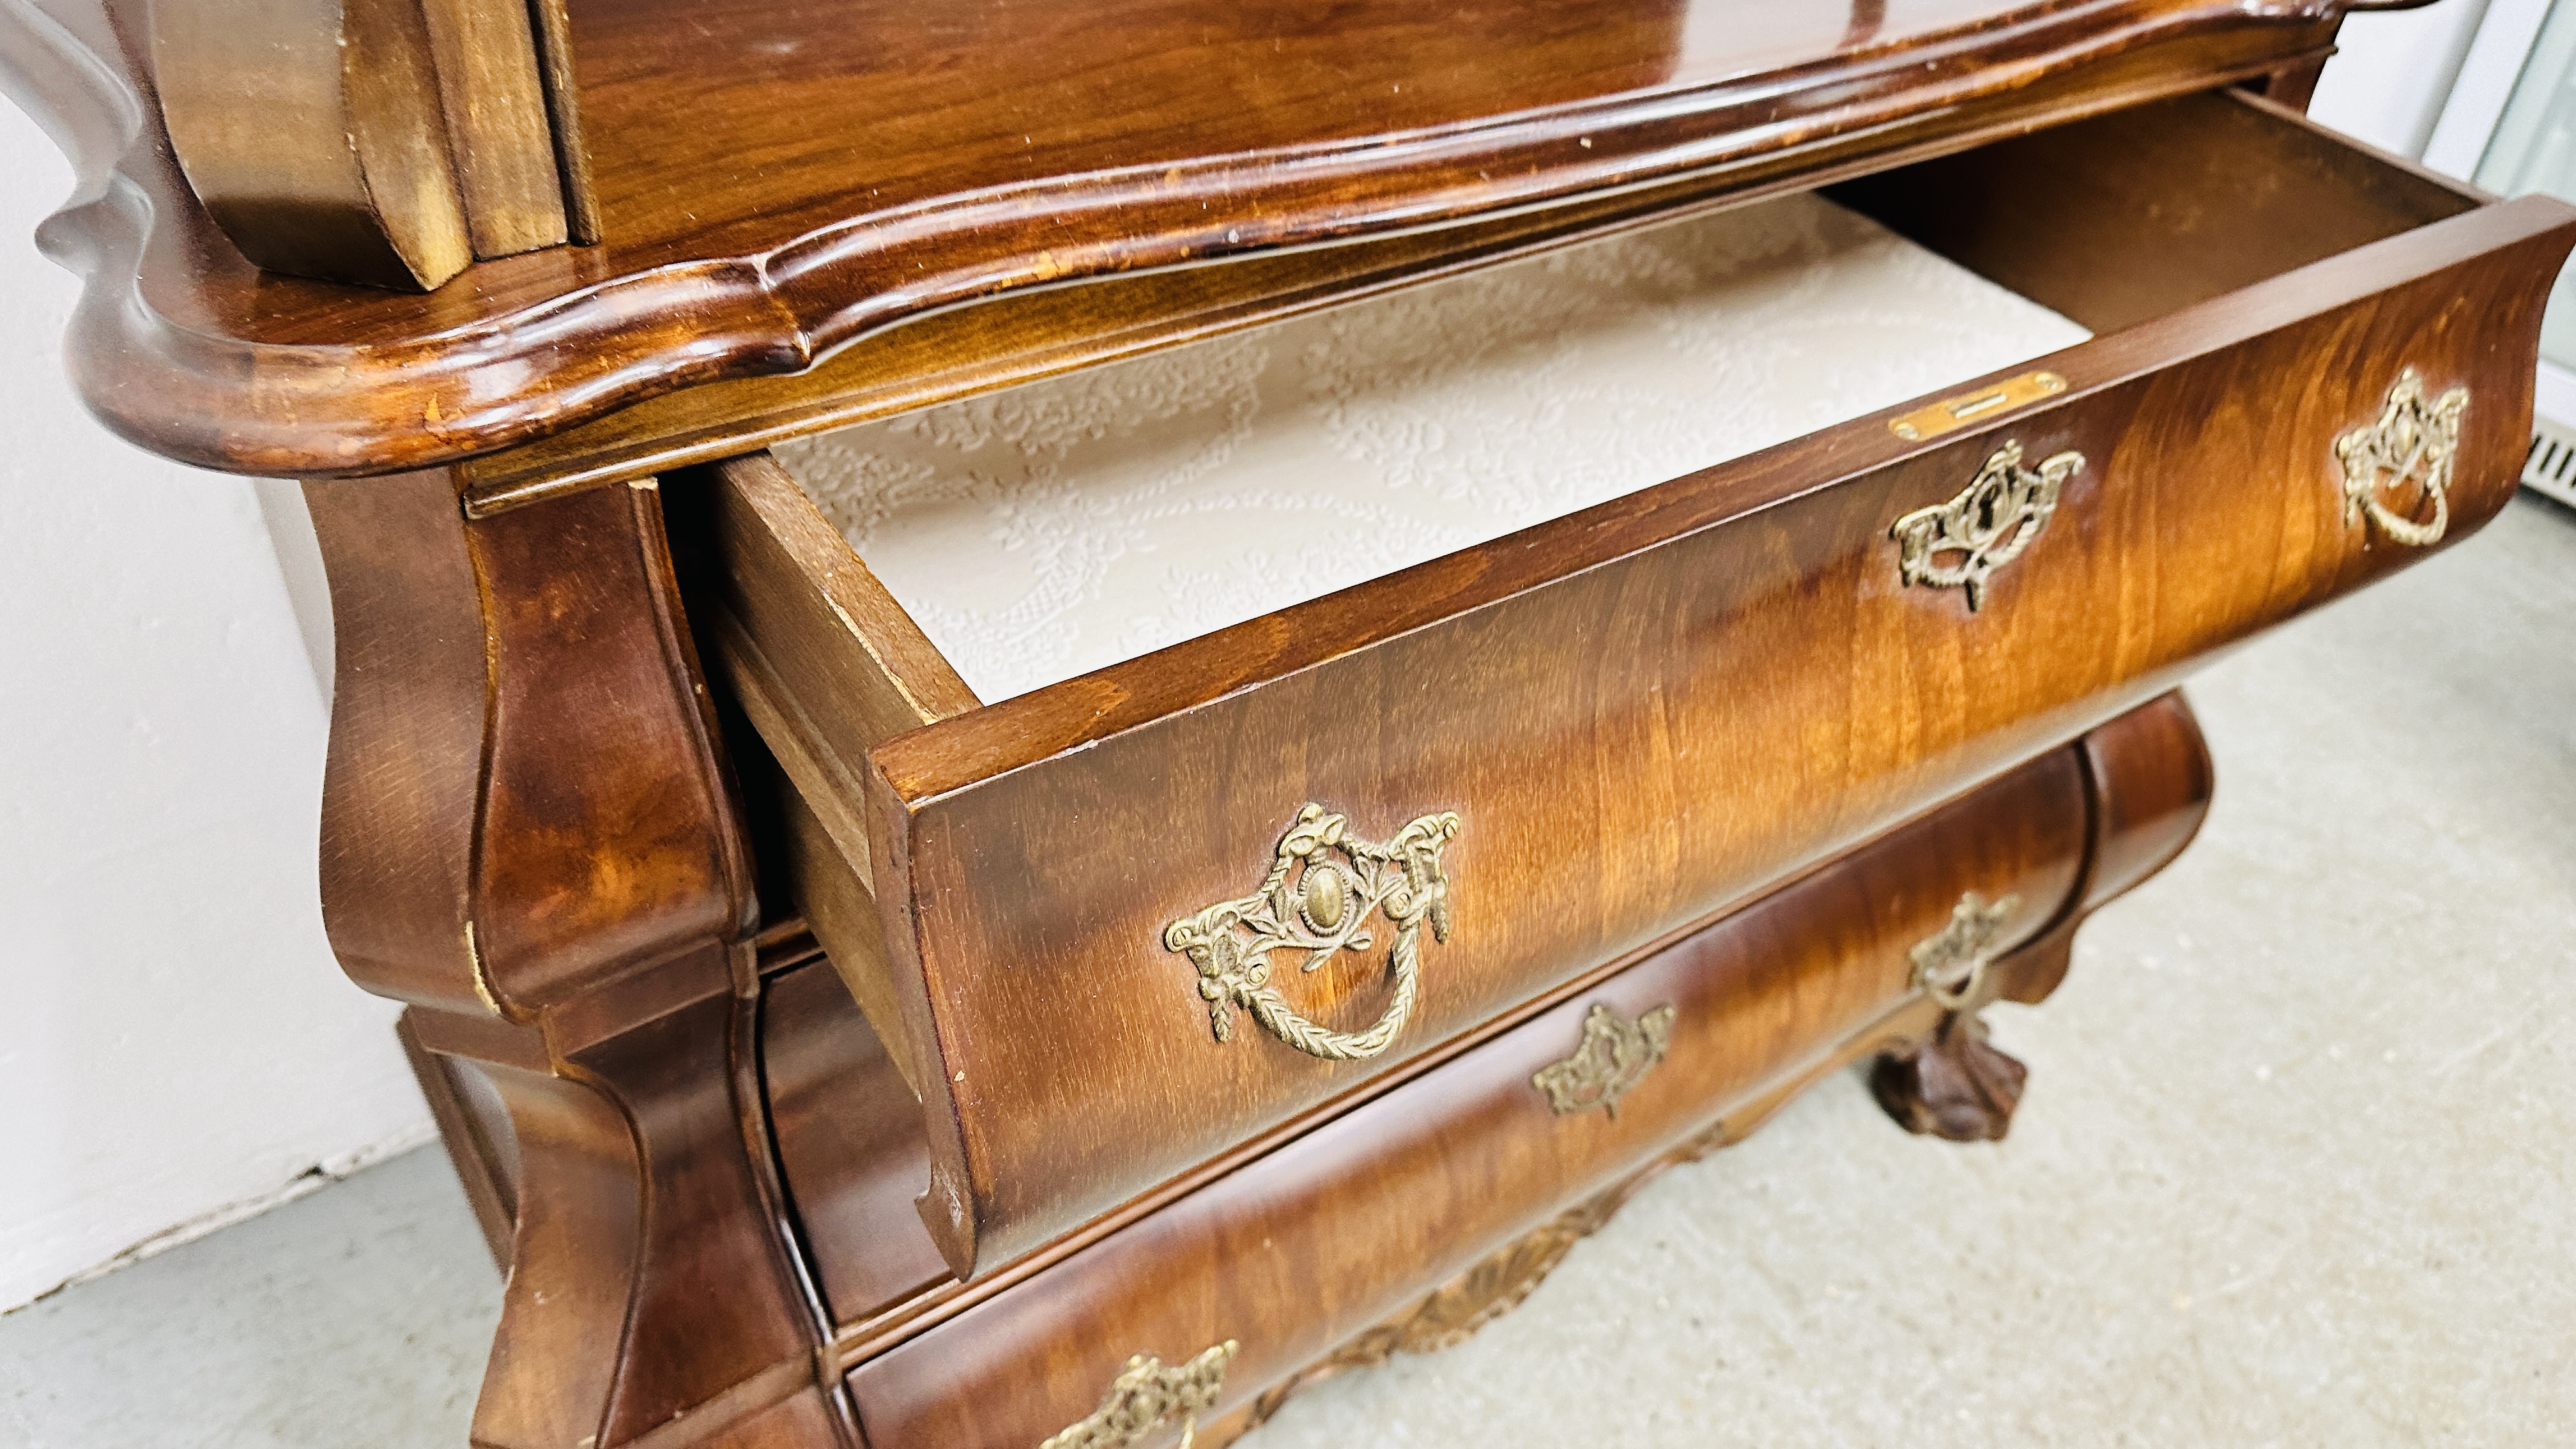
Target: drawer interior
{"points": [[1049, 530], [1056, 528], [1024, 540]]}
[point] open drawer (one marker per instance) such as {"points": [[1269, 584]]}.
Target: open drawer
{"points": [[1115, 924]]}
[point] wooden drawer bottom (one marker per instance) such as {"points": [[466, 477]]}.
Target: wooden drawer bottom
{"points": [[1320, 1251]]}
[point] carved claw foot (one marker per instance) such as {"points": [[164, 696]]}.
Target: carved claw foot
{"points": [[1955, 1085]]}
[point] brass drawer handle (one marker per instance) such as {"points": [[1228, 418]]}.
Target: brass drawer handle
{"points": [[1950, 966], [1986, 527], [2413, 439], [1323, 886], [1145, 1396], [1615, 1055]]}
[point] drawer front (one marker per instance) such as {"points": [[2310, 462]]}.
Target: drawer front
{"points": [[1560, 748], [1315, 1242]]}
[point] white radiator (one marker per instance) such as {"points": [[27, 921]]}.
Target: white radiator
{"points": [[2550, 467]]}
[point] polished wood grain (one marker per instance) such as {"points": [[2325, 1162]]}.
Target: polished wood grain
{"points": [[2428, 273], [2143, 788], [315, 134], [1060, 831], [523, 802], [746, 232], [530, 834], [1705, 704], [494, 91], [2147, 782], [1312, 1244], [401, 791], [1020, 336]]}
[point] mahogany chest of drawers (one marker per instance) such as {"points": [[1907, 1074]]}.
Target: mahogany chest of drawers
{"points": [[1058, 715]]}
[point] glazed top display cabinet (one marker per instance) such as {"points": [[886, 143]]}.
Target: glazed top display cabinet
{"points": [[1058, 713]]}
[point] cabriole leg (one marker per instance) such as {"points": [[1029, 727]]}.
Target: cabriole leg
{"points": [[2147, 786], [1955, 1085]]}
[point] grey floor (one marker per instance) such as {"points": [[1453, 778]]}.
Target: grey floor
{"points": [[2295, 1166], [357, 1316]]}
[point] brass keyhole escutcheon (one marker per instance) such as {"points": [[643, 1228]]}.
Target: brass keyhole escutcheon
{"points": [[1145, 1396], [1950, 966], [1614, 1056], [1962, 543]]}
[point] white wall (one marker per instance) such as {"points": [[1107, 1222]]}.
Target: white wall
{"points": [[175, 1041], [2392, 73]]}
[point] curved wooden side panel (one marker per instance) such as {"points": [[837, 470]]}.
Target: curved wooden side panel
{"points": [[530, 835], [387, 142], [524, 804], [650, 1297], [402, 786]]}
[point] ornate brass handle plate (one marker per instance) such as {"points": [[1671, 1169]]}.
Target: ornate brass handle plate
{"points": [[1615, 1055], [1960, 544], [2414, 440], [1323, 887], [1145, 1396], [1950, 967]]}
